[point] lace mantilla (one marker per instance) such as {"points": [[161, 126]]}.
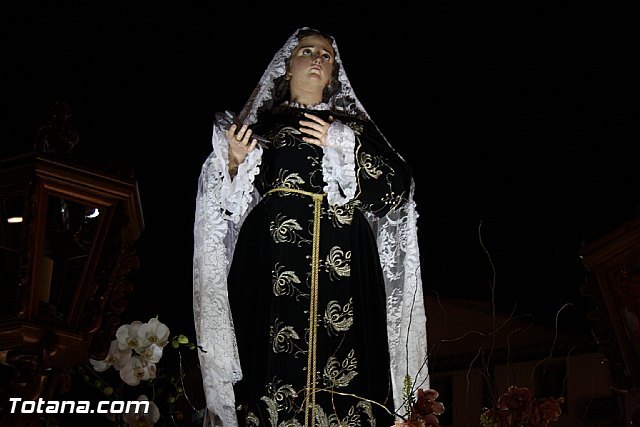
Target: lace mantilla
{"points": [[221, 206], [397, 238], [338, 164]]}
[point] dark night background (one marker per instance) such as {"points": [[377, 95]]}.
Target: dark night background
{"points": [[518, 121]]}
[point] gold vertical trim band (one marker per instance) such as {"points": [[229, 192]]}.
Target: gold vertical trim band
{"points": [[310, 406]]}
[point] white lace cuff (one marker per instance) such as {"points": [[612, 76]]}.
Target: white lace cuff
{"points": [[236, 192], [338, 164]]}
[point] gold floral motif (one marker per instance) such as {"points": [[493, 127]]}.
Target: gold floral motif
{"points": [[316, 176], [337, 263], [353, 418], [284, 137], [338, 374], [252, 420], [291, 180], [370, 165], [284, 282], [341, 215], [321, 418], [365, 407], [284, 230], [272, 409], [282, 338], [338, 318], [279, 398]]}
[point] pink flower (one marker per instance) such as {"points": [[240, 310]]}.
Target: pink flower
{"points": [[425, 409], [517, 400], [517, 407], [545, 410]]}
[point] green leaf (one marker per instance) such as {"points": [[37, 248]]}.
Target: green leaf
{"points": [[182, 339]]}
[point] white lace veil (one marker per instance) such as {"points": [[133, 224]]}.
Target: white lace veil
{"points": [[215, 235], [342, 99]]}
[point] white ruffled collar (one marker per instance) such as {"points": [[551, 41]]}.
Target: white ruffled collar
{"points": [[318, 106]]}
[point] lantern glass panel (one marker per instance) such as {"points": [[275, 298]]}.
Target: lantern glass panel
{"points": [[69, 239]]}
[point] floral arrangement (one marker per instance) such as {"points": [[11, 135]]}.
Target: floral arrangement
{"points": [[515, 408], [135, 353], [518, 408]]}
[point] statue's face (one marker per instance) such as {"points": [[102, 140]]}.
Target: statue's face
{"points": [[311, 63]]}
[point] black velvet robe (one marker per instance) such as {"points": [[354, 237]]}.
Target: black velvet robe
{"points": [[344, 345]]}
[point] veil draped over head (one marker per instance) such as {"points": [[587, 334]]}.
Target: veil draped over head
{"points": [[342, 99], [221, 207]]}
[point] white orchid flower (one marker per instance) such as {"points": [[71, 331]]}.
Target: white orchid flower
{"points": [[137, 370], [116, 358], [127, 336], [151, 354], [153, 332], [142, 420]]}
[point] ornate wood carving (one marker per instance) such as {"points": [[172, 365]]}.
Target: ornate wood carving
{"points": [[83, 264]]}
